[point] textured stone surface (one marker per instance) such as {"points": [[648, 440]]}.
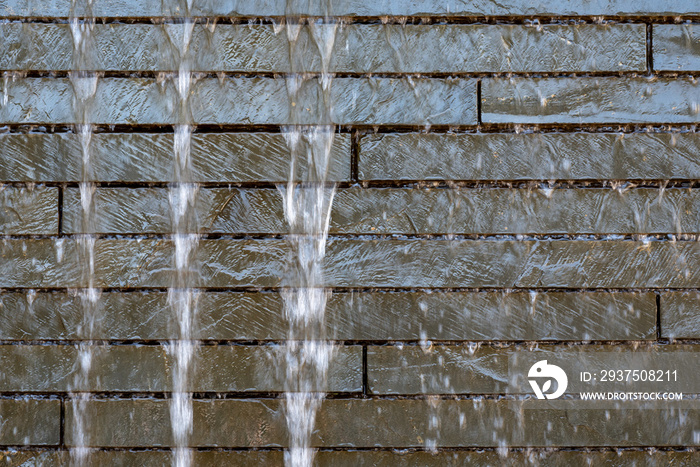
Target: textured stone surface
{"points": [[590, 100], [460, 369], [30, 421], [247, 101], [680, 315], [131, 8], [573, 156], [407, 211], [28, 210], [51, 368], [366, 263], [404, 423], [350, 316], [357, 48], [398, 458], [135, 157], [677, 47]]}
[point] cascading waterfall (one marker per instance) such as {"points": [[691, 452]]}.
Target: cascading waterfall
{"points": [[84, 82], [307, 205], [182, 297]]}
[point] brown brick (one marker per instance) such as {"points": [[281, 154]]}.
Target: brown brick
{"points": [[30, 422], [51, 368], [589, 100], [358, 48], [142, 458], [472, 316], [28, 210], [677, 47], [529, 156], [136, 157], [680, 315], [460, 369], [397, 423], [366, 263], [246, 101]]}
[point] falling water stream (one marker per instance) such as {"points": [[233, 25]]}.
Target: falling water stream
{"points": [[84, 82], [308, 197], [182, 297]]}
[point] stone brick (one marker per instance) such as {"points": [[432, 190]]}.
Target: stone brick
{"points": [[28, 210], [460, 369], [406, 211], [590, 100], [393, 423], [676, 47], [365, 263], [372, 316], [30, 422], [357, 49], [680, 315], [529, 156], [51, 368], [136, 157], [131, 8], [397, 458], [247, 101]]}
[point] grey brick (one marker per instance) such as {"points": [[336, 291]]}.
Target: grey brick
{"points": [[528, 156], [247, 101], [135, 157], [349, 316], [31, 210], [30, 422], [131, 8], [357, 49], [52, 368], [676, 47], [406, 211], [376, 423], [459, 369], [680, 315], [366, 263], [590, 100]]}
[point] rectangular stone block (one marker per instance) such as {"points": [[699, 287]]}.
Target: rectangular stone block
{"points": [[53, 368], [365, 263], [589, 100], [460, 369], [34, 422], [680, 314], [676, 47], [143, 157], [374, 316], [354, 458], [391, 423], [246, 101], [357, 48], [529, 156], [131, 8], [403, 211], [32, 210]]}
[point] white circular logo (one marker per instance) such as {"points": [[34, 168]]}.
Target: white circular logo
{"points": [[546, 373]]}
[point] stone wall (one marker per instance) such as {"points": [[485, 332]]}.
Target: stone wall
{"points": [[512, 176]]}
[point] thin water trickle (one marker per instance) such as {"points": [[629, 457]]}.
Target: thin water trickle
{"points": [[84, 82], [182, 296], [308, 197]]}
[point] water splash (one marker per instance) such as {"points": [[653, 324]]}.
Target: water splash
{"points": [[84, 82], [182, 297], [308, 198]]}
